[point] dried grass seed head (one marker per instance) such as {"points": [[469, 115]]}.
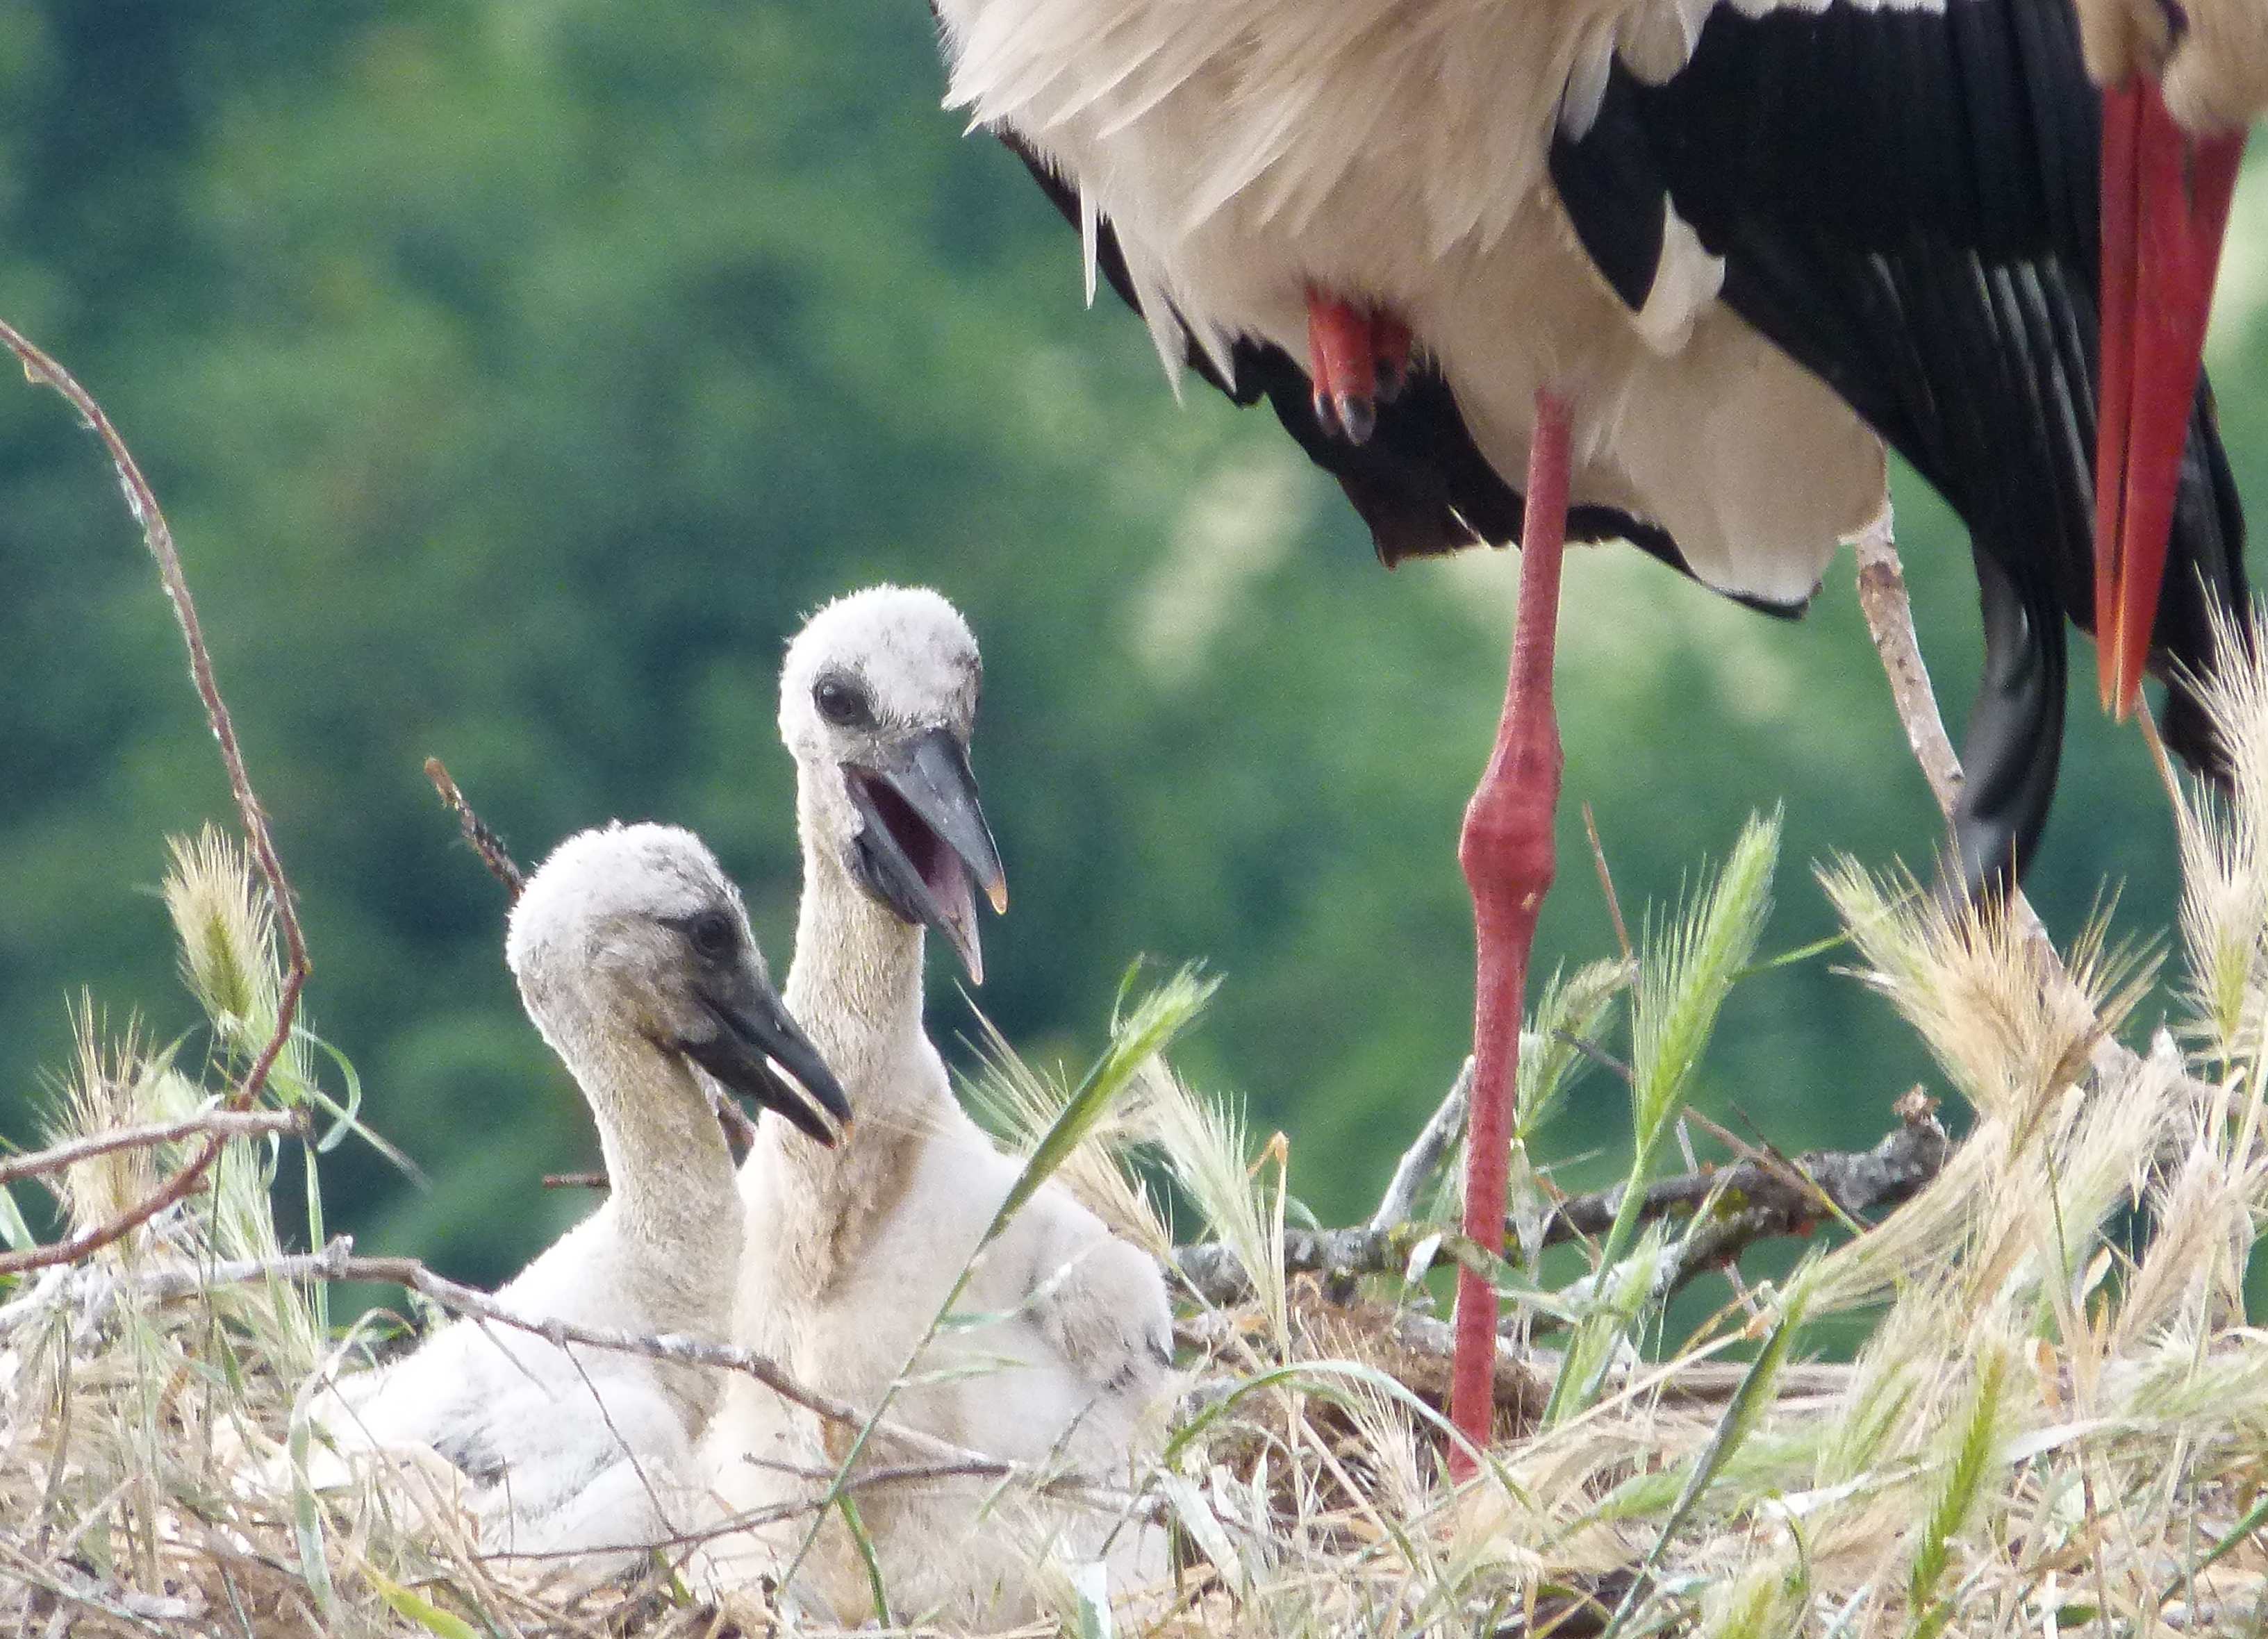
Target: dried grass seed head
{"points": [[112, 1085], [1992, 1006], [226, 926]]}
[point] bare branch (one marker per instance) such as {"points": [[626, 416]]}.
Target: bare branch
{"points": [[220, 1122], [483, 842], [157, 535], [1798, 1193], [575, 1180], [1705, 1381], [1424, 1158], [1890, 619], [1753, 1201]]}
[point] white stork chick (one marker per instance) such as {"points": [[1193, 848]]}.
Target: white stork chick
{"points": [[634, 958], [2210, 57], [850, 1252]]}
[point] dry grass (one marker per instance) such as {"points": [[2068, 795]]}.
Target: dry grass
{"points": [[2059, 1419]]}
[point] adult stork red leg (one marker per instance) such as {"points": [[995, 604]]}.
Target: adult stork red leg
{"points": [[1507, 854], [2165, 207]]}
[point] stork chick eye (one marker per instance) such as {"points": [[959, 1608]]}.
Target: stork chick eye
{"points": [[711, 935], [842, 702]]}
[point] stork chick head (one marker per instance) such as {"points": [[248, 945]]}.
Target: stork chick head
{"points": [[877, 701], [634, 931]]}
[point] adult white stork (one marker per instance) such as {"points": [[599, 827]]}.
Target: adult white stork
{"points": [[1689, 263]]}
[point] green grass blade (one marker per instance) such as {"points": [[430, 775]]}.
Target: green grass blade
{"points": [[13, 1230], [1682, 981], [867, 1561], [1743, 1413], [415, 1608], [1135, 1038], [1962, 1484], [1570, 1016]]}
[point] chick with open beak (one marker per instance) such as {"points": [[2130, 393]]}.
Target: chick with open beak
{"points": [[1064, 1340], [887, 699]]}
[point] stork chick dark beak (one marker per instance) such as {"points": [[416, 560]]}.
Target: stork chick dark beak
{"points": [[2165, 208], [926, 841], [754, 1041]]}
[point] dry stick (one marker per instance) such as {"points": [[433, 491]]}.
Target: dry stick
{"points": [[225, 1123], [157, 535], [1882, 599], [1699, 1380], [1424, 1158], [575, 1180], [1607, 886], [1889, 620], [484, 841], [1753, 1201]]}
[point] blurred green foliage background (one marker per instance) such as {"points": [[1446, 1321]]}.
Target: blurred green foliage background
{"points": [[516, 372]]}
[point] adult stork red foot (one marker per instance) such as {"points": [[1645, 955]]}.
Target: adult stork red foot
{"points": [[2165, 209], [1358, 357]]}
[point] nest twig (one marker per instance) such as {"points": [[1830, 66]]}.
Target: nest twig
{"points": [[1732, 1208], [158, 536], [482, 839], [222, 1123]]}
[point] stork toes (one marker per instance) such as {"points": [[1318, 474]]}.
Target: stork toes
{"points": [[2210, 56], [1357, 358]]}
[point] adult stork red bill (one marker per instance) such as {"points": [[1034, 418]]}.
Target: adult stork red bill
{"points": [[2166, 196], [1689, 265]]}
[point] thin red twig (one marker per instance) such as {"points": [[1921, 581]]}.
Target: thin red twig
{"points": [[1607, 886], [483, 842]]}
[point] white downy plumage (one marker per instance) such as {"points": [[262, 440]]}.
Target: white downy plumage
{"points": [[851, 1253], [634, 959], [1247, 150]]}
